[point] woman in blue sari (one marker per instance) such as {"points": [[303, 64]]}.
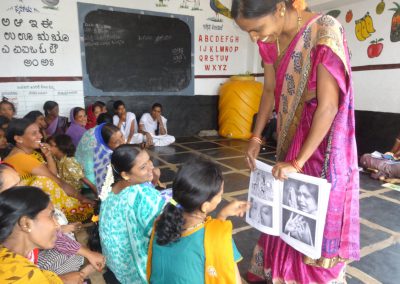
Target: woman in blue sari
{"points": [[94, 151]]}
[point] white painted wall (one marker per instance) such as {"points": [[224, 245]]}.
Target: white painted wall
{"points": [[67, 59], [375, 90]]}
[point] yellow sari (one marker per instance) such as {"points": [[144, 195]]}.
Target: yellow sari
{"points": [[17, 269], [72, 208]]}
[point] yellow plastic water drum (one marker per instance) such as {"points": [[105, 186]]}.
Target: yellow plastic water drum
{"points": [[239, 99]]}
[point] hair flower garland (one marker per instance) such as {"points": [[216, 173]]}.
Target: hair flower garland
{"points": [[108, 182]]}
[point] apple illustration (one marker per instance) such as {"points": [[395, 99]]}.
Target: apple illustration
{"points": [[375, 48]]}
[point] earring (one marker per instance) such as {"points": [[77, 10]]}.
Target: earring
{"points": [[28, 229], [283, 12]]}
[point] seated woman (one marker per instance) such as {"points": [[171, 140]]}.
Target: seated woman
{"points": [[7, 108], [78, 122], [187, 246], [56, 124], [26, 222], [67, 255], [129, 206], [68, 168], [93, 111], [38, 117], [95, 149], [126, 121], [5, 147], [26, 138], [382, 168]]}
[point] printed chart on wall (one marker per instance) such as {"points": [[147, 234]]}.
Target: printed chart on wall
{"points": [[220, 48], [373, 31], [39, 54]]}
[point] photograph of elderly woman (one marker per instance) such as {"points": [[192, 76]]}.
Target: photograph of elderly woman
{"points": [[301, 196]]}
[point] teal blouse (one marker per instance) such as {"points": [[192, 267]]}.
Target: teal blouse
{"points": [[183, 261], [126, 221], [85, 152]]}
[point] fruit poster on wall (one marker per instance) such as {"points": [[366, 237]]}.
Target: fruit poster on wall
{"points": [[395, 26], [364, 27], [375, 48], [374, 26]]}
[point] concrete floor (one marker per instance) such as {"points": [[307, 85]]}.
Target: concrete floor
{"points": [[379, 207]]}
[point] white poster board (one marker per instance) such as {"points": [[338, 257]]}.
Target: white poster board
{"points": [[294, 209]]}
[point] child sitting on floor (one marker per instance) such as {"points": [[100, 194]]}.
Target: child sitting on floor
{"points": [[204, 245], [69, 170]]}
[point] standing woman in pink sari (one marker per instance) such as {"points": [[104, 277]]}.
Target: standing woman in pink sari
{"points": [[307, 79]]}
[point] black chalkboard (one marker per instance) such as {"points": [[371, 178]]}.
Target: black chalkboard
{"points": [[134, 52]]}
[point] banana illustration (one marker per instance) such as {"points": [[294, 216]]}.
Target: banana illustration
{"points": [[364, 30], [369, 23], [364, 27], [358, 31]]}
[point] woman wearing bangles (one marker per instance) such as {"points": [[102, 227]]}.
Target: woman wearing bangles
{"points": [[34, 170], [307, 78]]}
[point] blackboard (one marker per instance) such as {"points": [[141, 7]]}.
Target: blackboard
{"points": [[129, 52]]}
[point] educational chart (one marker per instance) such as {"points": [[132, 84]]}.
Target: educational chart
{"points": [[27, 96], [38, 55], [36, 41], [294, 209]]}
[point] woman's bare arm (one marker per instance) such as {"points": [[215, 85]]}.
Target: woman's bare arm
{"points": [[264, 113]]}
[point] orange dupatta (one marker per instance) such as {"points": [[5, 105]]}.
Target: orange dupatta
{"points": [[219, 261]]}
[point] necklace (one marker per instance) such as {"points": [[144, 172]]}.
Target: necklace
{"points": [[194, 226], [197, 216], [299, 21], [19, 148]]}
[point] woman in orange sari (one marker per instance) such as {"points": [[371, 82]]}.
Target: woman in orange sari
{"points": [[307, 79], [33, 170]]}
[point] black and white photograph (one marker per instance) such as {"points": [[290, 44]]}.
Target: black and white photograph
{"points": [[301, 195], [260, 213], [298, 227], [261, 185], [293, 209]]}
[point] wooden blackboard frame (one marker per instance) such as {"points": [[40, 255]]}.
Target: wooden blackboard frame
{"points": [[90, 90]]}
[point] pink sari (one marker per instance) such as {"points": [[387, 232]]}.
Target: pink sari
{"points": [[320, 41]]}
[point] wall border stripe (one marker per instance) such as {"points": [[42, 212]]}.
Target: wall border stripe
{"points": [[37, 79], [354, 69], [78, 78]]}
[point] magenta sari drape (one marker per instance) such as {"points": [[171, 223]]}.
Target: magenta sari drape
{"points": [[320, 41]]}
